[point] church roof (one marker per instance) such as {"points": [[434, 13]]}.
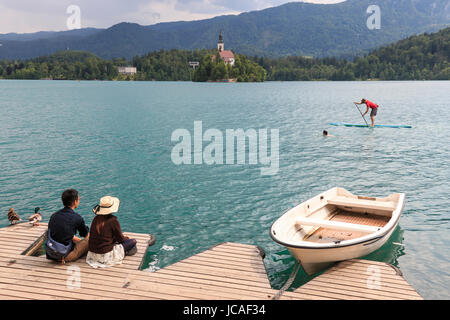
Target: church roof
{"points": [[226, 54]]}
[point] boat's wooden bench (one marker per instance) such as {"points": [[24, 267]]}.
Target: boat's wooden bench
{"points": [[336, 225], [362, 203]]}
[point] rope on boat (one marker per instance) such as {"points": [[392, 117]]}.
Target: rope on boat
{"points": [[289, 281]]}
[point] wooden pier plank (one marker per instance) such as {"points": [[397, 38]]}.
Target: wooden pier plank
{"points": [[382, 291], [361, 279], [226, 271], [242, 279], [39, 278], [215, 282]]}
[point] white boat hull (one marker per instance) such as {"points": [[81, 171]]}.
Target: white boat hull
{"points": [[316, 260], [371, 222]]}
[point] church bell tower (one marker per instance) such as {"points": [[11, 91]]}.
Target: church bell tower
{"points": [[220, 45]]}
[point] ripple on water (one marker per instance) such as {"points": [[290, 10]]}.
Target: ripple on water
{"points": [[107, 138]]}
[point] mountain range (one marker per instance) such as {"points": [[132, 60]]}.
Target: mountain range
{"points": [[419, 57], [296, 28]]}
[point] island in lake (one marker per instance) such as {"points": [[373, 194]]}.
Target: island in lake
{"points": [[419, 57]]}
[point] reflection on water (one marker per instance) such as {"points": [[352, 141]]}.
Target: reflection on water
{"points": [[391, 250]]}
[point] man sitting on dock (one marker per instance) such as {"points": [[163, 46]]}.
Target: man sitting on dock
{"points": [[65, 223]]}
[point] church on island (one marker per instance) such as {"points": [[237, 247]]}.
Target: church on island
{"points": [[226, 55], [220, 65]]}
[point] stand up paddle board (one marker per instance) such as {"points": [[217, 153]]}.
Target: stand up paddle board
{"points": [[366, 126]]}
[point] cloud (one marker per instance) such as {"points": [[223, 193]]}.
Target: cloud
{"points": [[31, 16], [175, 10], [249, 4]]}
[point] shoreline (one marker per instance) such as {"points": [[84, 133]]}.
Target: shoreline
{"points": [[222, 81]]}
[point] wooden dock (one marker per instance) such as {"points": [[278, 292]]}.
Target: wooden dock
{"points": [[357, 280], [226, 271]]}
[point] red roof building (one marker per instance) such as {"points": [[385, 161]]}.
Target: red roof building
{"points": [[226, 55]]}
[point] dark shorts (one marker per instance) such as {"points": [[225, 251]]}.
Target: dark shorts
{"points": [[129, 244], [373, 113]]}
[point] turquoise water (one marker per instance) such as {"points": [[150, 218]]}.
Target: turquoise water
{"points": [[114, 138]]}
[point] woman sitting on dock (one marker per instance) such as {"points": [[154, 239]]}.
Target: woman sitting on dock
{"points": [[107, 244]]}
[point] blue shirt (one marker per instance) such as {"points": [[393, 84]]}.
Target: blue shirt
{"points": [[64, 224]]}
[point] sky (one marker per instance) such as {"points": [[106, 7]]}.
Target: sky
{"points": [[26, 16]]}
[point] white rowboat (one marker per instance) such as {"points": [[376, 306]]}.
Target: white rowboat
{"points": [[337, 225]]}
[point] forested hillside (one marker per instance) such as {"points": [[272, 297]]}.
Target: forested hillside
{"points": [[422, 57]]}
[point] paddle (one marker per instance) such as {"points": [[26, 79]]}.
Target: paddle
{"points": [[361, 114]]}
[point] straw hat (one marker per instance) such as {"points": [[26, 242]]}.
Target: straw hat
{"points": [[107, 206]]}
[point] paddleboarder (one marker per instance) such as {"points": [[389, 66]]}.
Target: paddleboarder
{"points": [[372, 106]]}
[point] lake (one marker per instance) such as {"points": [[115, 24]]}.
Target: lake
{"points": [[115, 138]]}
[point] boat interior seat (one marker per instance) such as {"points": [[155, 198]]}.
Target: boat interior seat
{"points": [[336, 225], [362, 203]]}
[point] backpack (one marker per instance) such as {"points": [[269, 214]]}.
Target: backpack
{"points": [[55, 250]]}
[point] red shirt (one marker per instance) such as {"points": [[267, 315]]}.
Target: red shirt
{"points": [[371, 104]]}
